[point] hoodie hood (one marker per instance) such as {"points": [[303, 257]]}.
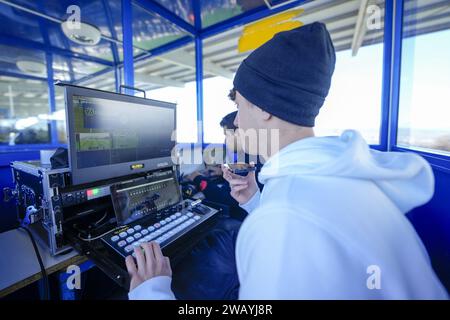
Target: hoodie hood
{"points": [[405, 178]]}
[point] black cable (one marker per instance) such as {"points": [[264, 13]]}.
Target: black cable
{"points": [[41, 264]]}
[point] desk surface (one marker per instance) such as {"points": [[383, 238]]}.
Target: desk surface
{"points": [[18, 262]]}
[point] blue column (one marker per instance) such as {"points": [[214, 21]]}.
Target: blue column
{"points": [[396, 73], [199, 87], [51, 98], [386, 78], [127, 29]]}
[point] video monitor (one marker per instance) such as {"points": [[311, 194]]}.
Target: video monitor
{"points": [[135, 199], [112, 135]]}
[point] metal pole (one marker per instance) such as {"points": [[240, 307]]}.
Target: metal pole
{"points": [[127, 27], [199, 87], [396, 73], [51, 98], [386, 77]]}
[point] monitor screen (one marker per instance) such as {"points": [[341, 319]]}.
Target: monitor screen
{"points": [[111, 135], [144, 196]]}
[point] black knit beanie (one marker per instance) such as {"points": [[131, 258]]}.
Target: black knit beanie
{"points": [[290, 75]]}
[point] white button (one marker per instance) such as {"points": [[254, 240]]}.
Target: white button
{"points": [[114, 238], [137, 235], [137, 227], [121, 243], [159, 240], [135, 244], [148, 238], [130, 231], [130, 239], [123, 234], [128, 249], [144, 232], [168, 220], [197, 218], [151, 228], [173, 217], [162, 222], [165, 237], [189, 214], [178, 214]]}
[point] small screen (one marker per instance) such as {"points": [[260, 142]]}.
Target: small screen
{"points": [[109, 132], [136, 199]]}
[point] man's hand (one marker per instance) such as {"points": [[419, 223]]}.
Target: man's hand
{"points": [[242, 188], [150, 265]]}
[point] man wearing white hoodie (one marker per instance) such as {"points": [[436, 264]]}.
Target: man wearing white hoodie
{"points": [[330, 222]]}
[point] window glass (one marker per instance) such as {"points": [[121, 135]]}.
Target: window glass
{"points": [[23, 112], [354, 100], [424, 109]]}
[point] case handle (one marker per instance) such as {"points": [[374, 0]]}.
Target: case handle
{"points": [[132, 88]]}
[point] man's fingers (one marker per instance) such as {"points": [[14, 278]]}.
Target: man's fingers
{"points": [[159, 262], [157, 251], [240, 188], [168, 267], [149, 257], [235, 182], [131, 266], [140, 259]]}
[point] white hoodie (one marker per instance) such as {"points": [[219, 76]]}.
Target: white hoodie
{"points": [[330, 224]]}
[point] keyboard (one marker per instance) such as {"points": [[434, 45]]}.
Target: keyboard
{"points": [[163, 228]]}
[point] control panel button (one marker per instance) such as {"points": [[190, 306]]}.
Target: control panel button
{"points": [[137, 235], [123, 234], [144, 232], [157, 225], [129, 248], [130, 239], [122, 243], [115, 238], [137, 227], [189, 214], [151, 228], [197, 218], [163, 222], [168, 219], [178, 214], [130, 231]]}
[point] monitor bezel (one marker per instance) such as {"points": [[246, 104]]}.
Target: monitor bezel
{"points": [[93, 174]]}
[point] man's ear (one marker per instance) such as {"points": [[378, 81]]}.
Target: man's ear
{"points": [[265, 115]]}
